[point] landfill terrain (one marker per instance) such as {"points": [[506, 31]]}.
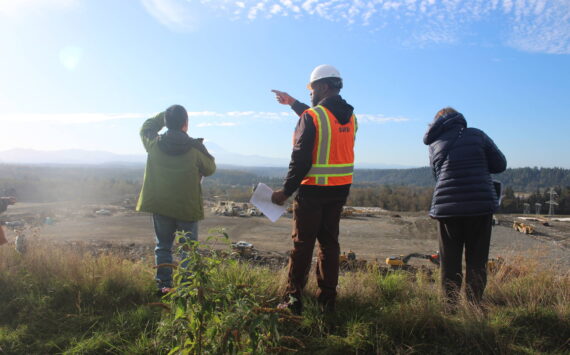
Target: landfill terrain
{"points": [[370, 236]]}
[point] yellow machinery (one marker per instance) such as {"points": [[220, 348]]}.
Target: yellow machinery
{"points": [[347, 212], [523, 228], [402, 261]]}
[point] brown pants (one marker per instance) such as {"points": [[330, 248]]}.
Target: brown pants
{"points": [[315, 218]]}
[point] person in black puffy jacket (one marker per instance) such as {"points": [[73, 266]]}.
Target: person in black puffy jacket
{"points": [[464, 200]]}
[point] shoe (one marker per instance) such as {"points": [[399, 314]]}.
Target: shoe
{"points": [[296, 307], [327, 301], [164, 291], [327, 307]]}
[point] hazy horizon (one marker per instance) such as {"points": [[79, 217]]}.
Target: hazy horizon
{"points": [[69, 82], [140, 159]]}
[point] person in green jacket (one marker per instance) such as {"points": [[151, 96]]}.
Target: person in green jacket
{"points": [[171, 188]]}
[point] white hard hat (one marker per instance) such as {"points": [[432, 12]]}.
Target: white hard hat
{"points": [[323, 71]]}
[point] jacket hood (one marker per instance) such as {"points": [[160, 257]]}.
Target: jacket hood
{"points": [[174, 142], [178, 143], [442, 124], [339, 108]]}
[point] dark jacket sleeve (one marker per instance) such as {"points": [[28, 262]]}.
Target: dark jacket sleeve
{"points": [[299, 107], [302, 156], [495, 159]]}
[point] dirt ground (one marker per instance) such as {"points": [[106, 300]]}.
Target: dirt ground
{"points": [[387, 234]]}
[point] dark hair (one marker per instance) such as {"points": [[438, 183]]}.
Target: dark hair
{"points": [[445, 111], [175, 117], [333, 83]]}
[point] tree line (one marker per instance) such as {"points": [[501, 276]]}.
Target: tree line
{"points": [[391, 189]]}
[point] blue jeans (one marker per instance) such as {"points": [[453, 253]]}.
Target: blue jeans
{"points": [[165, 229]]}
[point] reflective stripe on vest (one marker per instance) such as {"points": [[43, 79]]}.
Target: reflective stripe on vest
{"points": [[321, 169]]}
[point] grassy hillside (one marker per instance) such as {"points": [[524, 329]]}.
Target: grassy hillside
{"points": [[62, 300]]}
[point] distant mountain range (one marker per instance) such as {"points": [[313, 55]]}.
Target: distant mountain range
{"points": [[69, 156], [86, 157]]}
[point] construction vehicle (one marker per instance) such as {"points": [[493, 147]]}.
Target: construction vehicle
{"points": [[103, 212], [15, 224], [243, 249], [493, 265], [347, 211], [348, 262], [254, 212], [401, 262], [523, 228]]}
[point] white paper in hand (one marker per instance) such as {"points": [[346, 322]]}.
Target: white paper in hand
{"points": [[262, 200]]}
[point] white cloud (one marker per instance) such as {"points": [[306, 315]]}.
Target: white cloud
{"points": [[174, 14], [199, 118], [529, 25], [276, 9], [372, 118], [24, 7], [217, 124], [68, 118], [547, 32]]}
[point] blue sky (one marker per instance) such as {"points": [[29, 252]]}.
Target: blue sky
{"points": [[85, 74]]}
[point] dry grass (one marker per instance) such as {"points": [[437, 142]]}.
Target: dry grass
{"points": [[64, 300], [61, 299]]}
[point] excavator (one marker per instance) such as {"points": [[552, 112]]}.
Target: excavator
{"points": [[400, 262]]}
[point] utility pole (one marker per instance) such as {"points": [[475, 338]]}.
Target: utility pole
{"points": [[551, 202], [526, 209], [537, 207]]}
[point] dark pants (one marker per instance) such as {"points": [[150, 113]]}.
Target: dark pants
{"points": [[473, 232], [315, 218]]}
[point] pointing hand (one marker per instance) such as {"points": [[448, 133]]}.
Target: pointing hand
{"points": [[283, 97]]}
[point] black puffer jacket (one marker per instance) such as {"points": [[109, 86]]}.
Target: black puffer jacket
{"points": [[462, 160]]}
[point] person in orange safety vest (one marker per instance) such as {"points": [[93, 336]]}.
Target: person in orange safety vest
{"points": [[321, 169]]}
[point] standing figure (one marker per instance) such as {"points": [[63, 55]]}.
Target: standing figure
{"points": [[172, 189], [321, 169], [464, 200]]}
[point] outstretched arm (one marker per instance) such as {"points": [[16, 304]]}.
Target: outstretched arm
{"points": [[286, 99]]}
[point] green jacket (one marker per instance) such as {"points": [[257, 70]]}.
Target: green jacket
{"points": [[174, 169]]}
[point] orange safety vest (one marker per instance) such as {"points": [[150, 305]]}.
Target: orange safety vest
{"points": [[333, 152]]}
